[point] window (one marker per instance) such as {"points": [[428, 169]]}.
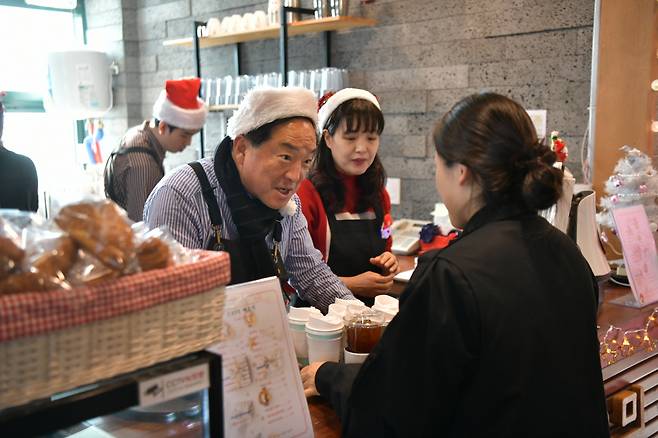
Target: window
{"points": [[29, 33]]}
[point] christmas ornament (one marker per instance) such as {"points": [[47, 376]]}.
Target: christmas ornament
{"points": [[559, 146], [634, 182]]}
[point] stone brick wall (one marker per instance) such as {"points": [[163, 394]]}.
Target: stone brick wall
{"points": [[420, 58]]}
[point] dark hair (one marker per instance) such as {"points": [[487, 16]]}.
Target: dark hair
{"points": [[360, 115], [263, 133], [494, 137], [171, 127]]}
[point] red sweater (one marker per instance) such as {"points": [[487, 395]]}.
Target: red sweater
{"points": [[316, 216]]}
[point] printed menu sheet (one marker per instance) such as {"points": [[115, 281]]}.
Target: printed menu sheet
{"points": [[263, 394], [640, 254]]}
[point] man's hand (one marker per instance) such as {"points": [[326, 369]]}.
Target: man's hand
{"points": [[387, 262], [369, 284], [308, 378]]}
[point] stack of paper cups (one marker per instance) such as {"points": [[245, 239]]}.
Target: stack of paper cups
{"points": [[324, 336], [297, 318], [387, 305]]}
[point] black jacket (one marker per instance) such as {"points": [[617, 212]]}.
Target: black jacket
{"points": [[18, 181], [496, 336]]}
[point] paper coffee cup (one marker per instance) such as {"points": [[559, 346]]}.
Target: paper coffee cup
{"points": [[324, 337], [297, 318], [354, 357]]}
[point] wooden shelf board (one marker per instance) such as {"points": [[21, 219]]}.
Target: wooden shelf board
{"points": [[220, 108], [295, 28]]}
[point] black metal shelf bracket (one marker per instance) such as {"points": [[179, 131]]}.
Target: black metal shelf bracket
{"points": [[283, 38]]}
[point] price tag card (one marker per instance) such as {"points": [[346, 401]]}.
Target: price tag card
{"points": [[640, 254]]}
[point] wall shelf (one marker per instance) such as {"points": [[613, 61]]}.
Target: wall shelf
{"points": [[221, 108], [272, 32]]}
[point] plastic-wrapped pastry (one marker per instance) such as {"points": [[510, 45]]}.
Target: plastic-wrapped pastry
{"points": [[153, 253], [26, 282], [101, 229], [11, 255], [57, 261]]}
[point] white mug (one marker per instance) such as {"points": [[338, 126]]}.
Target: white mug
{"points": [[214, 27], [261, 19], [249, 21]]}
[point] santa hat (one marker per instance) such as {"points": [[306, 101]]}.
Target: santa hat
{"points": [[179, 105], [264, 105], [329, 105]]}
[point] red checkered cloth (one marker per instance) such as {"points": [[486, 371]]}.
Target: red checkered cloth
{"points": [[33, 313]]}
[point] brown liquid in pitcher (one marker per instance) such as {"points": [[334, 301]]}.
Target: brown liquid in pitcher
{"points": [[362, 336]]}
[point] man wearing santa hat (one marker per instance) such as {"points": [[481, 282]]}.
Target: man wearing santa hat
{"points": [[135, 167], [243, 199]]}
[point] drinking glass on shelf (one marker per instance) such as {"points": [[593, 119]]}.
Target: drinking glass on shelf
{"points": [[344, 78], [273, 80], [228, 90], [206, 90], [292, 78], [302, 79], [315, 82], [241, 88], [219, 92]]}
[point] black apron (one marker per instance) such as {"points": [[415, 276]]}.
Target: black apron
{"points": [[353, 243], [244, 265]]}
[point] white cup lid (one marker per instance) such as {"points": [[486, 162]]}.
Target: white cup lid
{"points": [[301, 314], [347, 302], [386, 301], [337, 309], [323, 323]]}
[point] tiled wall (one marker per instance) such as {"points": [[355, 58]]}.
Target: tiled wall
{"points": [[421, 57]]}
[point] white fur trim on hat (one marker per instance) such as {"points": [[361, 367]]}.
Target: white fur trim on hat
{"points": [[165, 110], [343, 96], [264, 105]]}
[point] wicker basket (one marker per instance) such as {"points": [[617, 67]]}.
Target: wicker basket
{"points": [[37, 366]]}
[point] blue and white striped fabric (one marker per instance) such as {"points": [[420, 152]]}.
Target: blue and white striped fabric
{"points": [[177, 203]]}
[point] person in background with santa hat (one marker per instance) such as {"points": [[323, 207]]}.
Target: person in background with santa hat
{"points": [[344, 198], [243, 199], [135, 167]]}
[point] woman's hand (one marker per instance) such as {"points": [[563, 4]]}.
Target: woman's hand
{"points": [[387, 262], [369, 284], [308, 378]]}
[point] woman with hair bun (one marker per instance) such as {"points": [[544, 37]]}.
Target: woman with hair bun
{"points": [[496, 334]]}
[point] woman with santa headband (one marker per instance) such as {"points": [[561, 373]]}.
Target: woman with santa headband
{"points": [[344, 198]]}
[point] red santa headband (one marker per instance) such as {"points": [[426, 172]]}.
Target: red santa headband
{"points": [[264, 105], [179, 105], [328, 106]]}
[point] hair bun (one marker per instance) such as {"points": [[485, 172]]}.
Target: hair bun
{"points": [[542, 183]]}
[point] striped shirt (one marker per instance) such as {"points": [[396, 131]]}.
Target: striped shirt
{"points": [[136, 174], [178, 203]]}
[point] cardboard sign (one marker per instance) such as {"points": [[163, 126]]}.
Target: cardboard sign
{"points": [[640, 254]]}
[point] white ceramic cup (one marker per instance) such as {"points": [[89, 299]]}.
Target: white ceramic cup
{"points": [[249, 20], [261, 19], [354, 357], [324, 337], [214, 27]]}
